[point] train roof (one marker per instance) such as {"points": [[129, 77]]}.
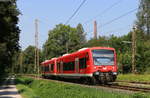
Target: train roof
{"points": [[45, 62], [109, 48], [86, 50], [82, 50], [48, 61]]}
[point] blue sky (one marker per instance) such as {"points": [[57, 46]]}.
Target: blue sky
{"points": [[52, 12]]}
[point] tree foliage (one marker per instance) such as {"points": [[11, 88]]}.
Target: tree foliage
{"points": [[62, 36], [9, 33], [63, 39], [81, 34], [143, 16], [24, 61]]}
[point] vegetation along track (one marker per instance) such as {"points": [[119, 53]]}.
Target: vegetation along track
{"points": [[111, 85]]}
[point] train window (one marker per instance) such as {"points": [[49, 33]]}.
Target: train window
{"points": [[82, 63], [46, 68], [68, 66], [52, 67], [43, 68]]}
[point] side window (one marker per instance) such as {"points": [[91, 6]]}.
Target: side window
{"points": [[69, 66], [64, 66], [72, 66], [82, 63], [52, 67], [46, 68], [43, 68]]}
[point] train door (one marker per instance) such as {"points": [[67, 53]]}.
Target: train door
{"points": [[58, 67], [43, 69], [77, 65], [61, 67], [49, 67]]}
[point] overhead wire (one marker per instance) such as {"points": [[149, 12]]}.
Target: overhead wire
{"points": [[121, 16], [117, 18], [119, 29], [75, 12], [104, 11]]}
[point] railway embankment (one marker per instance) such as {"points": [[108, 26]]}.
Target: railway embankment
{"points": [[31, 88]]}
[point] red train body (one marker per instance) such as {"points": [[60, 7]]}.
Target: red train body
{"points": [[96, 65]]}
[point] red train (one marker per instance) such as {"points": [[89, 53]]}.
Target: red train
{"points": [[93, 65]]}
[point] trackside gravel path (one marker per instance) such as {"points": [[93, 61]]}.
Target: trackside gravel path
{"points": [[8, 89]]}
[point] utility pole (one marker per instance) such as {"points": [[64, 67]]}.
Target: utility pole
{"points": [[133, 49], [36, 66], [95, 29]]}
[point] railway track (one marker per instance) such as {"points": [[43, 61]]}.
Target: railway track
{"points": [[135, 82], [112, 85], [130, 88]]}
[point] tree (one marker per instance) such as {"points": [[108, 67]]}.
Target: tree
{"points": [[62, 39], [28, 59], [81, 33], [24, 61], [9, 39], [143, 16]]}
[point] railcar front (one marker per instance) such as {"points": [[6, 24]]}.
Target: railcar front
{"points": [[104, 64]]}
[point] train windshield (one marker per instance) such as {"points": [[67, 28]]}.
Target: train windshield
{"points": [[103, 57]]}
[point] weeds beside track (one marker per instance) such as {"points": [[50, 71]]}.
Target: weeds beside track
{"points": [[112, 85]]}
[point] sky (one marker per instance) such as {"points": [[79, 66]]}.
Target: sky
{"points": [[52, 12]]}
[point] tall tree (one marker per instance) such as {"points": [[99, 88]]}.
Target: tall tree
{"points": [[25, 60], [143, 16], [9, 31], [62, 39], [81, 33]]}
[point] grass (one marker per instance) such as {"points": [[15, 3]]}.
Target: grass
{"points": [[30, 88], [134, 77]]}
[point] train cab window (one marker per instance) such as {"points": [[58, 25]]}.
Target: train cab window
{"points": [[103, 57], [82, 63]]}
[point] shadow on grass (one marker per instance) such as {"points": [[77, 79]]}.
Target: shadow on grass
{"points": [[139, 95], [21, 91], [24, 81]]}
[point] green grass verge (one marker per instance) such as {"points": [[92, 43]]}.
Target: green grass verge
{"points": [[134, 77], [30, 88]]}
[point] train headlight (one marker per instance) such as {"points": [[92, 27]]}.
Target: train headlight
{"points": [[114, 73], [104, 68], [113, 67], [97, 73]]}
